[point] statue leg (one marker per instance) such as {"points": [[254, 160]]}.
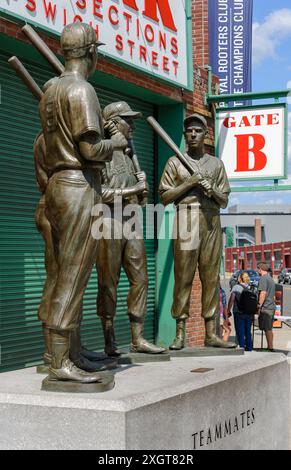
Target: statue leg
{"points": [[47, 357], [108, 262], [209, 267], [69, 205], [44, 227], [185, 262], [135, 265]]}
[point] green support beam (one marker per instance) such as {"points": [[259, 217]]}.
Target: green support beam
{"points": [[247, 96], [253, 189]]}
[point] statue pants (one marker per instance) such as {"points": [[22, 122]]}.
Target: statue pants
{"points": [[204, 252], [111, 256], [44, 227], [70, 197]]}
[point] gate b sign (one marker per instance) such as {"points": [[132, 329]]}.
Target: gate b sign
{"points": [[252, 142]]}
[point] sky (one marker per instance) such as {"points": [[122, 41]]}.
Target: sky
{"points": [[271, 71]]}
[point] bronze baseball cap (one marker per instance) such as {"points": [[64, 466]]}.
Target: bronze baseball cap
{"points": [[78, 36], [119, 108], [195, 117]]}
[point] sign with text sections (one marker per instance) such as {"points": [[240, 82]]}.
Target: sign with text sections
{"points": [[252, 142], [148, 34]]}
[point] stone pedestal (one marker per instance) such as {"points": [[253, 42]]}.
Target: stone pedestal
{"points": [[128, 357], [227, 402], [207, 351]]}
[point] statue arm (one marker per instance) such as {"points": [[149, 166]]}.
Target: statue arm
{"points": [[220, 198], [169, 189], [95, 149], [109, 194], [221, 188], [171, 195]]}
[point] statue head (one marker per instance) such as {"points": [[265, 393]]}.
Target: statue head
{"points": [[123, 116], [79, 41], [195, 131]]}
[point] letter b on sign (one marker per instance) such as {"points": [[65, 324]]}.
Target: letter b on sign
{"points": [[249, 152]]}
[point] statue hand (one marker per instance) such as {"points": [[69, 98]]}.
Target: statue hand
{"points": [[119, 141], [207, 187], [141, 176], [141, 187], [194, 180]]}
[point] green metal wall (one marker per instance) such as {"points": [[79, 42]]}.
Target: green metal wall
{"points": [[22, 271]]}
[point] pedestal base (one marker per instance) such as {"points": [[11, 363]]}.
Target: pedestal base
{"points": [[233, 405], [128, 357], [42, 369], [101, 365], [106, 383], [207, 352]]}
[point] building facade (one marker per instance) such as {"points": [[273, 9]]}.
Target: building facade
{"points": [[120, 75], [276, 255], [256, 224]]}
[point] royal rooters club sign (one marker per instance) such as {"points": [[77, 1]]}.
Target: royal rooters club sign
{"points": [[148, 34], [251, 142]]}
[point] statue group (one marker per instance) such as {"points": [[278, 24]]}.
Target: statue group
{"points": [[83, 157]]}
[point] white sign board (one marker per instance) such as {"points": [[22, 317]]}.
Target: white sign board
{"points": [[148, 34], [251, 142]]}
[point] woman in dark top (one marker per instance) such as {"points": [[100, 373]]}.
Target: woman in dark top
{"points": [[242, 320]]}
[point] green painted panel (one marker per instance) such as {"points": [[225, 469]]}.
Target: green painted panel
{"points": [[22, 271]]}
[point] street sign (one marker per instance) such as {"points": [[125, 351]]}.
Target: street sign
{"points": [[252, 142], [153, 36]]}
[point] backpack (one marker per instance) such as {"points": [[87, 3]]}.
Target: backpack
{"points": [[248, 302]]}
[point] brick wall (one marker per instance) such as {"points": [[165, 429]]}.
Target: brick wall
{"points": [[200, 32], [194, 102]]}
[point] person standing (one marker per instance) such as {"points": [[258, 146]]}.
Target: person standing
{"points": [[266, 304], [224, 316], [243, 319], [75, 153], [198, 198]]}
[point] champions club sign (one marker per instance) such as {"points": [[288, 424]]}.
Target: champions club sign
{"points": [[148, 34], [230, 44]]}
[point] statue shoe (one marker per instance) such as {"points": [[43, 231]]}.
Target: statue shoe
{"points": [[47, 358], [144, 346], [69, 371], [90, 366], [111, 350], [92, 355], [177, 344], [216, 342]]}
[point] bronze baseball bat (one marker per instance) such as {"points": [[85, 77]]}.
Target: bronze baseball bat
{"points": [[167, 139], [134, 157], [42, 47], [26, 77]]}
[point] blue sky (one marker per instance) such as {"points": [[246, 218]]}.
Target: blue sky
{"points": [[271, 71]]}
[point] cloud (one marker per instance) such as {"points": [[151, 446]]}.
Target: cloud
{"points": [[267, 36]]}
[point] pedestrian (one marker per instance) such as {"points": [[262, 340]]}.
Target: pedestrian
{"points": [[243, 319], [266, 304], [224, 316]]}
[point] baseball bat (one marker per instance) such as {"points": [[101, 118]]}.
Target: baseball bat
{"points": [[42, 47], [167, 139], [25, 77]]}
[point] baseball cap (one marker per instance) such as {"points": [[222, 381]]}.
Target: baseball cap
{"points": [[120, 108], [195, 117], [78, 36]]}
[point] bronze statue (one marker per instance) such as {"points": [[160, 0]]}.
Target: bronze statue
{"points": [[201, 195], [75, 153], [82, 358], [122, 178]]}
